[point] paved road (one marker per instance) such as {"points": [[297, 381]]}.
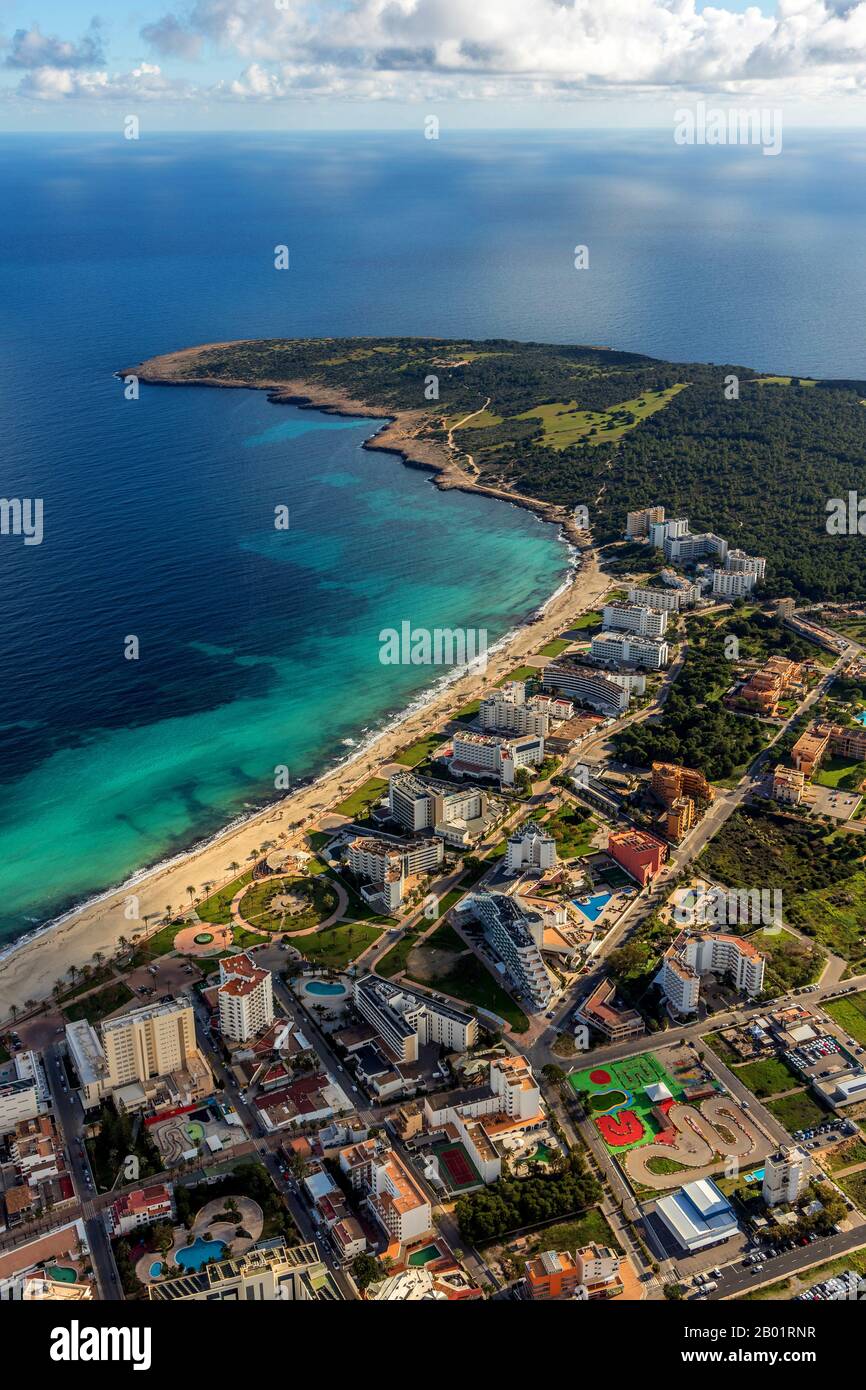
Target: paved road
{"points": [[70, 1121], [265, 1145], [736, 1280]]}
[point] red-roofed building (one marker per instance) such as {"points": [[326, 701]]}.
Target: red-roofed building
{"points": [[140, 1208], [246, 998], [640, 854]]}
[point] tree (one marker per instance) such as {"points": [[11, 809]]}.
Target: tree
{"points": [[674, 1291], [365, 1270]]}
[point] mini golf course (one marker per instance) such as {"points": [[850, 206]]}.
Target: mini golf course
{"points": [[615, 1096]]}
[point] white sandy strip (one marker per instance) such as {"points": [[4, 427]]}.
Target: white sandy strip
{"points": [[30, 969]]}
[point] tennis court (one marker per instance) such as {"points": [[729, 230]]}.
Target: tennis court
{"points": [[456, 1167]]}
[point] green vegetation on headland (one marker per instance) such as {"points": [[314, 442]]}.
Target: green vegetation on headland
{"points": [[562, 420]]}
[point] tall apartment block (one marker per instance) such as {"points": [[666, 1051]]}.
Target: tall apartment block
{"points": [[148, 1042], [586, 685], [635, 617], [638, 523], [507, 930]]}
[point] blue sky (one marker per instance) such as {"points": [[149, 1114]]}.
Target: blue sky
{"points": [[246, 64]]}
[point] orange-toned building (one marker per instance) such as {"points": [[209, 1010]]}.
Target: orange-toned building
{"points": [[638, 852], [763, 690], [669, 782], [679, 818], [592, 1272]]}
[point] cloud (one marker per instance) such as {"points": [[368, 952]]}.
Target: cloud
{"points": [[425, 50], [144, 83], [30, 48], [172, 39]]}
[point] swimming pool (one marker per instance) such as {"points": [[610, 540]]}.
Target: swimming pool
{"points": [[592, 908], [324, 987], [196, 1255], [423, 1257], [861, 717], [61, 1274], [155, 1269]]}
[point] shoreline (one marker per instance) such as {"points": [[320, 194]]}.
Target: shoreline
{"points": [[31, 964]]}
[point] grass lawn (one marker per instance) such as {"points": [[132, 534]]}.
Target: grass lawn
{"points": [[854, 1185], [573, 1235], [394, 961], [782, 381], [850, 1013], [257, 904], [243, 938], [767, 1077], [417, 752], [846, 1155], [469, 711], [716, 1042], [445, 938], [358, 803], [565, 423], [215, 909], [555, 648], [665, 1165], [797, 1112], [161, 942], [470, 981], [336, 946], [98, 1005], [317, 839], [520, 673], [590, 619], [573, 829], [846, 773]]}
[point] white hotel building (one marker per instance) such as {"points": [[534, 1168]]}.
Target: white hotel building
{"points": [[692, 955], [479, 755], [786, 1174], [387, 864], [406, 1019], [627, 649], [587, 685], [739, 576], [507, 930], [510, 711], [246, 998], [662, 600], [635, 617], [530, 846]]}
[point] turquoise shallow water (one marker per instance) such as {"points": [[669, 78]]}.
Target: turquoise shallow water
{"points": [[259, 648]]}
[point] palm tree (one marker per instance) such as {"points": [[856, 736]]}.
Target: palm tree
{"points": [[168, 910], [98, 957], [191, 891], [13, 1012]]}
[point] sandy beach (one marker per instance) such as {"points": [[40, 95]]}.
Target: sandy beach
{"points": [[30, 970]]}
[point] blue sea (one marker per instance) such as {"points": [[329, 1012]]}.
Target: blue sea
{"points": [[258, 648]]}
